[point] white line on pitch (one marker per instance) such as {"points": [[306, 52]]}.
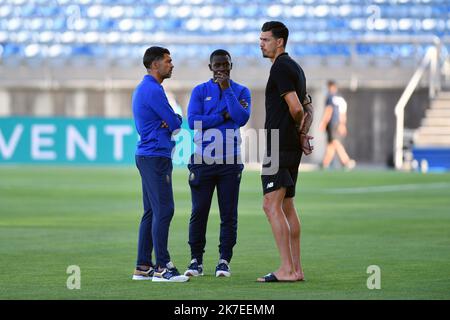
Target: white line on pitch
{"points": [[391, 188]]}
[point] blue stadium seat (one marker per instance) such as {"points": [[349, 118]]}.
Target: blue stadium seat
{"points": [[122, 23]]}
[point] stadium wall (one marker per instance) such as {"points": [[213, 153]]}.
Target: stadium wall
{"points": [[371, 120]]}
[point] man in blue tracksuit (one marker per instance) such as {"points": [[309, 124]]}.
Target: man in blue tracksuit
{"points": [[216, 109], [155, 122]]}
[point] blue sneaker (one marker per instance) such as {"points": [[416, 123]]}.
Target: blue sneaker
{"points": [[194, 269], [223, 269], [169, 274], [140, 274]]}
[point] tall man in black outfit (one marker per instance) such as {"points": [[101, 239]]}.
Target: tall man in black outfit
{"points": [[285, 89]]}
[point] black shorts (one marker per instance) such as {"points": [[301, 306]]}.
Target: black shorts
{"points": [[285, 177], [333, 134]]}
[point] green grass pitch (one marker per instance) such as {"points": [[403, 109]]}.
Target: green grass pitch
{"points": [[51, 218]]}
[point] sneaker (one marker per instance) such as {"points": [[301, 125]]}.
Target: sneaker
{"points": [[350, 165], [169, 274], [194, 269], [140, 274], [222, 269]]}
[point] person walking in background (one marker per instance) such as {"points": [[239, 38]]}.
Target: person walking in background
{"points": [[155, 122], [334, 122]]}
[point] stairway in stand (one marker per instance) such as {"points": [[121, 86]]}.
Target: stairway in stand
{"points": [[432, 138]]}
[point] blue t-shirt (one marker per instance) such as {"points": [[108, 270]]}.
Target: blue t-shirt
{"points": [[339, 106], [207, 105], [150, 108]]}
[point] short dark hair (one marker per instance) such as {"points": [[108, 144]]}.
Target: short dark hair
{"points": [[219, 52], [152, 54], [331, 83], [279, 30]]}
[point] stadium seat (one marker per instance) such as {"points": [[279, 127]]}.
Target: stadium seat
{"points": [[86, 25]]}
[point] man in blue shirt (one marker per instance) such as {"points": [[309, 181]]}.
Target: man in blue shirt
{"points": [[155, 122], [334, 122], [217, 109]]}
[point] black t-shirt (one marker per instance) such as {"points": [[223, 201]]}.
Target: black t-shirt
{"points": [[285, 76]]}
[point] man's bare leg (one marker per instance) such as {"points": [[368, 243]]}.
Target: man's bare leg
{"points": [[273, 207], [295, 228], [342, 154], [329, 155]]}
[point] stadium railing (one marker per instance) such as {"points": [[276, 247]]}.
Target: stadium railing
{"points": [[436, 62]]}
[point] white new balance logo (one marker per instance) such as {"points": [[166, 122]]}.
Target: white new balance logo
{"points": [[269, 185]]}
